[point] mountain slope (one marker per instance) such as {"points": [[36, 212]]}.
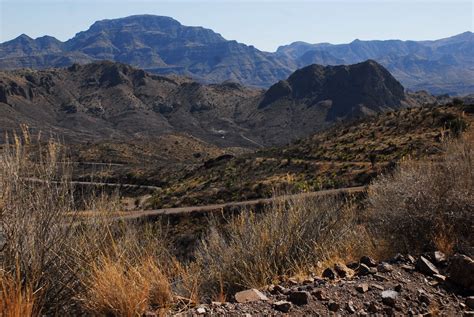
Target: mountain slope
{"points": [[113, 101], [159, 44], [162, 45], [441, 66]]}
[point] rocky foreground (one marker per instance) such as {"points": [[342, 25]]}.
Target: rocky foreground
{"points": [[429, 285]]}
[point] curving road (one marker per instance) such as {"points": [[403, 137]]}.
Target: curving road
{"points": [[218, 207]]}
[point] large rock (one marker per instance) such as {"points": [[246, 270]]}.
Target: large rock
{"points": [[461, 271], [250, 295], [342, 270], [426, 267], [389, 297], [299, 297], [282, 306]]}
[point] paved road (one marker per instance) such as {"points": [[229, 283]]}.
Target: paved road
{"points": [[217, 207]]}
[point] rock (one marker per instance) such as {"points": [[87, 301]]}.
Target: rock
{"points": [[399, 258], [426, 267], [368, 261], [363, 270], [293, 281], [342, 270], [299, 297], [470, 302], [201, 311], [308, 280], [362, 288], [352, 265], [319, 294], [439, 277], [407, 267], [250, 295], [277, 289], [389, 298], [384, 267], [282, 306], [373, 308], [423, 297], [329, 273], [461, 271], [411, 259], [379, 287], [333, 306], [438, 257], [350, 307]]}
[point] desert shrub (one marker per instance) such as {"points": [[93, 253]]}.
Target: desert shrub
{"points": [[49, 250], [287, 238], [120, 288], [36, 220], [426, 204]]}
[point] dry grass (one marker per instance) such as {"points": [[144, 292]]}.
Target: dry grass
{"points": [[118, 288], [16, 300], [427, 204], [254, 249]]}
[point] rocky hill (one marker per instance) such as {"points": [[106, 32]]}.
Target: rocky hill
{"points": [[163, 45], [441, 66], [113, 101]]}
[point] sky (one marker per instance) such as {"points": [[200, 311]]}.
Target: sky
{"points": [[265, 24]]}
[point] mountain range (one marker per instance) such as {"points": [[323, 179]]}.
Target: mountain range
{"points": [[113, 101], [162, 45]]}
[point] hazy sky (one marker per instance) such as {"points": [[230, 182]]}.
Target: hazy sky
{"points": [[265, 24]]}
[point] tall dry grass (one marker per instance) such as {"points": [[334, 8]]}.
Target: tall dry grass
{"points": [[289, 237], [51, 259], [427, 204]]}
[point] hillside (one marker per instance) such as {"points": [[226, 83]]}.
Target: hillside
{"points": [[346, 155], [162, 45], [106, 101]]}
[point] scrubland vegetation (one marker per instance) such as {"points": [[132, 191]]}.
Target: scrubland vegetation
{"points": [[53, 262]]}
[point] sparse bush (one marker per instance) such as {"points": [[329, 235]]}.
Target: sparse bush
{"points": [[36, 220], [287, 238], [427, 204]]}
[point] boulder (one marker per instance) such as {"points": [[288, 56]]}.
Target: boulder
{"points": [[389, 298], [461, 271], [384, 267], [368, 261], [282, 306], [342, 270], [250, 295], [299, 297], [333, 306], [365, 270], [329, 273], [426, 267], [362, 288]]}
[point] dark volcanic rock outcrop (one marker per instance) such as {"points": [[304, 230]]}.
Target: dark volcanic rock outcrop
{"points": [[351, 90]]}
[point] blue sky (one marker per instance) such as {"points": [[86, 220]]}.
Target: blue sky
{"points": [[265, 24]]}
